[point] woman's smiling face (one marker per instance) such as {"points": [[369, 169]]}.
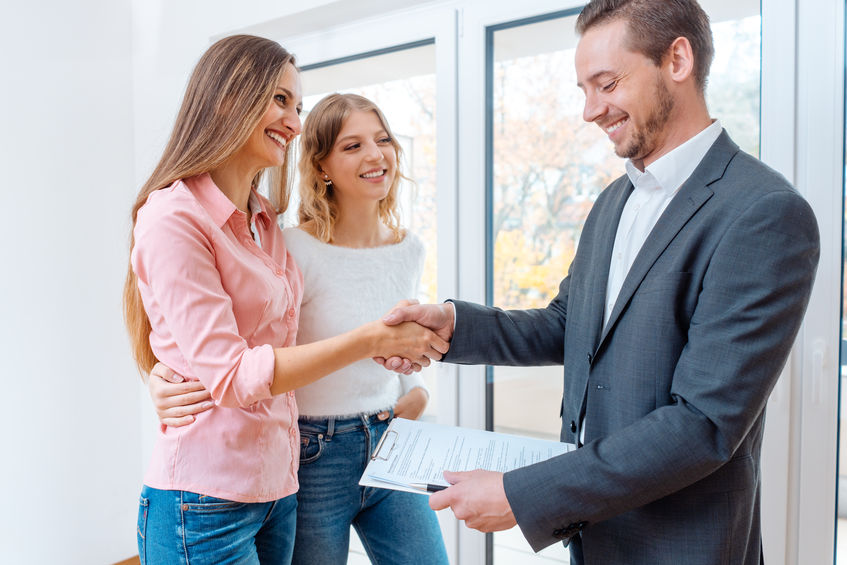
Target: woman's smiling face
{"points": [[280, 124], [363, 160]]}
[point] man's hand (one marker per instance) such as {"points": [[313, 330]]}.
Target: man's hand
{"points": [[175, 400], [478, 498], [437, 317]]}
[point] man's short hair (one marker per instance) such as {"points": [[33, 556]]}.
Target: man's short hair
{"points": [[652, 25]]}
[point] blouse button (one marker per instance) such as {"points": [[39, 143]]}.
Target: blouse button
{"points": [[291, 312], [279, 271]]}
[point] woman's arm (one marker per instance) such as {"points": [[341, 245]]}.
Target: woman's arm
{"points": [[174, 259], [177, 402], [412, 404], [302, 364]]}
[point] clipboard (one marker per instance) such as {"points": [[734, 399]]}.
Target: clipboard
{"points": [[414, 452]]}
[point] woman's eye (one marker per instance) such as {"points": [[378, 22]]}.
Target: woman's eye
{"points": [[384, 140], [281, 98], [352, 146]]}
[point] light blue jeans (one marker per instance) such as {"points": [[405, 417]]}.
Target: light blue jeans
{"points": [[397, 528], [184, 528]]}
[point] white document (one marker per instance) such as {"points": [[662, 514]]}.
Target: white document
{"points": [[414, 452]]}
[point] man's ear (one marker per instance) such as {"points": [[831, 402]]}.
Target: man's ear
{"points": [[679, 60]]}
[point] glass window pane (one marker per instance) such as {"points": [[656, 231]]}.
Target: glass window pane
{"points": [[548, 167]]}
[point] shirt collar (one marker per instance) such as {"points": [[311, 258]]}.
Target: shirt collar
{"points": [[216, 203], [258, 207], [674, 168]]}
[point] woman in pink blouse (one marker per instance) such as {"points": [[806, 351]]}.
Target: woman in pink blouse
{"points": [[213, 293]]}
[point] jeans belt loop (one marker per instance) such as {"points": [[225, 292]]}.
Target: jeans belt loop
{"points": [[330, 427]]}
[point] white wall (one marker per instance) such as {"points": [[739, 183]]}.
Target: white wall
{"points": [[70, 459]]}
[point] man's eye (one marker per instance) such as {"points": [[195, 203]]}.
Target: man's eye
{"points": [[609, 86]]}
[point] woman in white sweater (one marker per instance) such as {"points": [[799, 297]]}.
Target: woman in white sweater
{"points": [[357, 263]]}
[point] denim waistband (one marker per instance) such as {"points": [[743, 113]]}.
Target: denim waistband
{"points": [[330, 425]]}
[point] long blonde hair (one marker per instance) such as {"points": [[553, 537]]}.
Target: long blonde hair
{"points": [[227, 94], [320, 130]]}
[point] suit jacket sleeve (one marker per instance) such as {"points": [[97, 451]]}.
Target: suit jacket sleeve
{"points": [[486, 335], [748, 311]]}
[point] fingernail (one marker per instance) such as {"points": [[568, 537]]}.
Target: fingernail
{"points": [[388, 318]]}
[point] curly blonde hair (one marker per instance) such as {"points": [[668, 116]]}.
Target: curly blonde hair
{"points": [[320, 130]]}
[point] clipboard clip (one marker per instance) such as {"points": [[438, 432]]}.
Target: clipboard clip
{"points": [[384, 443]]}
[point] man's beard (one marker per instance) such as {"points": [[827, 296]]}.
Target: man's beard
{"points": [[644, 139]]}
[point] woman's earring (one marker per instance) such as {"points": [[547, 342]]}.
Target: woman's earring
{"points": [[327, 182]]}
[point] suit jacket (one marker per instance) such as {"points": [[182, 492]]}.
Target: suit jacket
{"points": [[674, 386]]}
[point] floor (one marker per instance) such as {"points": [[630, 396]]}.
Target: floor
{"points": [[510, 548]]}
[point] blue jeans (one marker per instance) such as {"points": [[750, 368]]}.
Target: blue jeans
{"points": [[397, 528], [184, 528]]}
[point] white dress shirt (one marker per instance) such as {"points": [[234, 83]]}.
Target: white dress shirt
{"points": [[654, 190]]}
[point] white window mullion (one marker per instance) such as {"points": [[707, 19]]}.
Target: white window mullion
{"points": [[780, 448], [820, 166]]}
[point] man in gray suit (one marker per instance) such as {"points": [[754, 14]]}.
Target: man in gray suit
{"points": [[689, 285]]}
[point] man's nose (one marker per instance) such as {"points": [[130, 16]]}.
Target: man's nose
{"points": [[594, 107]]}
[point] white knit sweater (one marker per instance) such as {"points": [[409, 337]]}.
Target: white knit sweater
{"points": [[344, 288]]}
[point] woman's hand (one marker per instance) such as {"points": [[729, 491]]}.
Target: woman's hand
{"points": [[406, 340], [412, 404], [176, 401], [440, 318]]}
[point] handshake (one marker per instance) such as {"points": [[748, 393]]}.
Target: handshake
{"points": [[439, 319]]}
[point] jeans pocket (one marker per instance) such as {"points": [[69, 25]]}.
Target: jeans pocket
{"points": [[311, 447], [141, 529], [207, 504]]}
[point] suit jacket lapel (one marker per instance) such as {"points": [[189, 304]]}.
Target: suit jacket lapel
{"points": [[622, 189], [691, 196]]}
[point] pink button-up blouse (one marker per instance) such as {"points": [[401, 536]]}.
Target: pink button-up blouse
{"points": [[218, 305]]}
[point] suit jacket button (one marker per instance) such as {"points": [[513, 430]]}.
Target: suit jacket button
{"points": [[573, 427]]}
